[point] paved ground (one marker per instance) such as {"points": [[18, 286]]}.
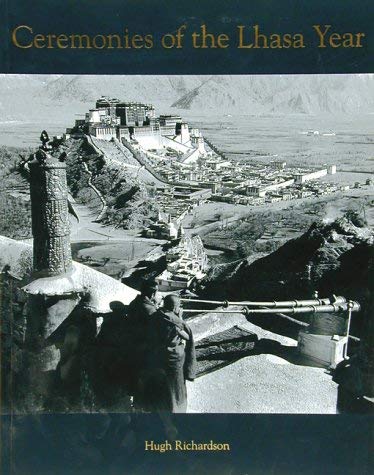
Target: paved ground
{"points": [[262, 383]]}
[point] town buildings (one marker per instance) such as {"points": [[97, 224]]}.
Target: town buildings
{"points": [[185, 263], [137, 122], [189, 169]]}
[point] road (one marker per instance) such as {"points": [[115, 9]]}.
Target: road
{"points": [[88, 230], [114, 251]]}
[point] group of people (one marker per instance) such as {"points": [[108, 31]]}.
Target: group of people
{"points": [[163, 352], [144, 352]]}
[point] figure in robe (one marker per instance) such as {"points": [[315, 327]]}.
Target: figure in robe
{"points": [[171, 361], [135, 342], [111, 369]]}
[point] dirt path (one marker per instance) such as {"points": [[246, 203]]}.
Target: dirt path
{"points": [[88, 230], [110, 250]]}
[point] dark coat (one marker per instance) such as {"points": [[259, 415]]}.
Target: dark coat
{"points": [[140, 309], [139, 314], [172, 360], [135, 342], [121, 348]]}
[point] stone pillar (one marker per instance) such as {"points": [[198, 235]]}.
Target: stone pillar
{"points": [[51, 258], [50, 215]]}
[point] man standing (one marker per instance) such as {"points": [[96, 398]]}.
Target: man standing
{"points": [[144, 305], [137, 347], [172, 358], [110, 372]]}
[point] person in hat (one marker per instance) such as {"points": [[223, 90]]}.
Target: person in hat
{"points": [[172, 359], [139, 314], [144, 305], [111, 369]]}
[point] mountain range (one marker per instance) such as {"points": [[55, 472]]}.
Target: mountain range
{"points": [[306, 94]]}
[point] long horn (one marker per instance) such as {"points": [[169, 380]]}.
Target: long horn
{"points": [[327, 308], [331, 308], [334, 300]]}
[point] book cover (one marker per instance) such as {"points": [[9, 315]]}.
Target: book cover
{"points": [[186, 237]]}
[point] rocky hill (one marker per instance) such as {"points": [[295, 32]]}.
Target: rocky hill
{"points": [[108, 180], [333, 258], [15, 208]]}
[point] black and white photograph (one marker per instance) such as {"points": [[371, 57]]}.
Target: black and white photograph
{"points": [[186, 244]]}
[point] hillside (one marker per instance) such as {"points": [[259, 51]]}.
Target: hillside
{"points": [[341, 260], [15, 208], [110, 176]]}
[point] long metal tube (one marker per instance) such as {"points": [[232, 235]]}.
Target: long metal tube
{"points": [[199, 310], [332, 308], [274, 303]]}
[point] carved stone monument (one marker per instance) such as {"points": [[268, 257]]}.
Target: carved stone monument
{"points": [[51, 253], [50, 215], [58, 285]]}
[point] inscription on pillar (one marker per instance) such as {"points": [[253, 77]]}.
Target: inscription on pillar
{"points": [[49, 210]]}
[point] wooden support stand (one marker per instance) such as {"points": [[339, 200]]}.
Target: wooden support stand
{"points": [[326, 350]]}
